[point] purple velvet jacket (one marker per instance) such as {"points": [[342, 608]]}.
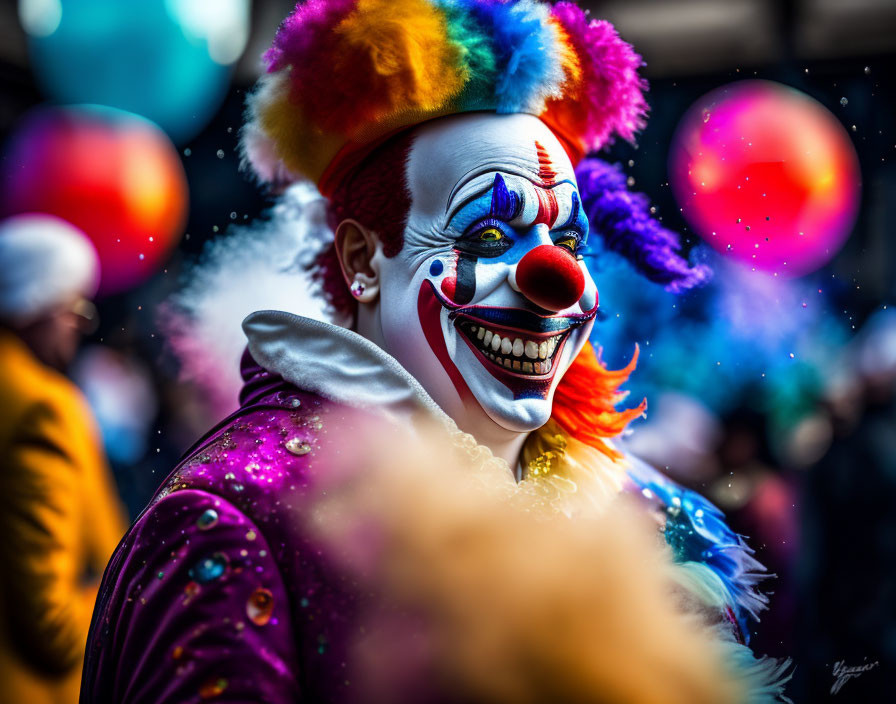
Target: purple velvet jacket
{"points": [[217, 593], [214, 593]]}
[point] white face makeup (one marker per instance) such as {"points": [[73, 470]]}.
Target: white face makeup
{"points": [[486, 304]]}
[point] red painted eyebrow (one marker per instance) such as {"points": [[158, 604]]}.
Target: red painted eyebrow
{"points": [[545, 167]]}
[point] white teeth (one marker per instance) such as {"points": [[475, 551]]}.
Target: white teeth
{"points": [[531, 350], [504, 349]]}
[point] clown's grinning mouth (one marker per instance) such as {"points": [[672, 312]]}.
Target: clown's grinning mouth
{"points": [[517, 354], [510, 323]]}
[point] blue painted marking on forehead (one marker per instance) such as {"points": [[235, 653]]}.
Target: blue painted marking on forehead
{"points": [[506, 204], [577, 220], [573, 211]]}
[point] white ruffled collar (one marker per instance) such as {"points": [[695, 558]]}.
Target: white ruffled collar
{"points": [[335, 363]]}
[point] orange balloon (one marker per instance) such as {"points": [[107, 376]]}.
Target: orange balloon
{"points": [[114, 175]]}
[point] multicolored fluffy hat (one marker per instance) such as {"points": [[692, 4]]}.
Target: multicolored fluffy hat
{"points": [[344, 75]]}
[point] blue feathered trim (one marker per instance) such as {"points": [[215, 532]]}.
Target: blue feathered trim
{"points": [[697, 533]]}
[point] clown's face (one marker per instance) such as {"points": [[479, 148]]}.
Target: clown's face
{"points": [[487, 303]]}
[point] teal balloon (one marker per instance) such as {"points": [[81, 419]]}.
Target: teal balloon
{"points": [[137, 56]]}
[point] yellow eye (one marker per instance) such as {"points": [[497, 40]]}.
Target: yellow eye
{"points": [[571, 243], [491, 234]]}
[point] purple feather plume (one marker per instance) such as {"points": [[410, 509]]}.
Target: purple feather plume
{"points": [[622, 219]]}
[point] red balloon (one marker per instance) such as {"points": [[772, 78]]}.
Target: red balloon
{"points": [[112, 174], [766, 175]]}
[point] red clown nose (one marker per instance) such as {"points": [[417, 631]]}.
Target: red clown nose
{"points": [[550, 277]]}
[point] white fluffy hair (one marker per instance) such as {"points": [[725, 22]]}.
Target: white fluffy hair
{"points": [[261, 266]]}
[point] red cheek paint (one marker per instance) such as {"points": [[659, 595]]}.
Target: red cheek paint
{"points": [[429, 310], [449, 286], [449, 283]]}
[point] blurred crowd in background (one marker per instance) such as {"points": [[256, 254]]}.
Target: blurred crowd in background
{"points": [[772, 394]]}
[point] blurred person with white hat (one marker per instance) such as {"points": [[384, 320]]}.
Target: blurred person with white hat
{"points": [[60, 515]]}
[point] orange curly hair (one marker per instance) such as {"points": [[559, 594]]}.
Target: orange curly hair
{"points": [[586, 398]]}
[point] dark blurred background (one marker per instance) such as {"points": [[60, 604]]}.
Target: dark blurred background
{"points": [[789, 423]]}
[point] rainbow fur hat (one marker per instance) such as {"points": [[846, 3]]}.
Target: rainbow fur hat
{"points": [[344, 75]]}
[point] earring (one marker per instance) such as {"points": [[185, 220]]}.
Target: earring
{"points": [[357, 289]]}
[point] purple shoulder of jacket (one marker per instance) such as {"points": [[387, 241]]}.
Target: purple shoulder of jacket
{"points": [[216, 593]]}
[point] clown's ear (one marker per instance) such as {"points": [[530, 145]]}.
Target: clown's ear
{"points": [[357, 248]]}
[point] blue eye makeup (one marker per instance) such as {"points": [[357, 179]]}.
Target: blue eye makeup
{"points": [[568, 240], [498, 202], [486, 238], [471, 213], [481, 227], [574, 232]]}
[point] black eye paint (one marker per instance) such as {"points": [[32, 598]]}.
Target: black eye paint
{"points": [[505, 206], [473, 244], [466, 278]]}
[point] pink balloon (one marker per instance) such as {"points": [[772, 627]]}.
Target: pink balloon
{"points": [[766, 175]]}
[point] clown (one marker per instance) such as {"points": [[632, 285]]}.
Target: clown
{"points": [[487, 300], [448, 139]]}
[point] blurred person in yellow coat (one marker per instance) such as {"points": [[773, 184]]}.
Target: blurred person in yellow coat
{"points": [[60, 515]]}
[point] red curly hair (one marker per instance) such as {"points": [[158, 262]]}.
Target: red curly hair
{"points": [[376, 195]]}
